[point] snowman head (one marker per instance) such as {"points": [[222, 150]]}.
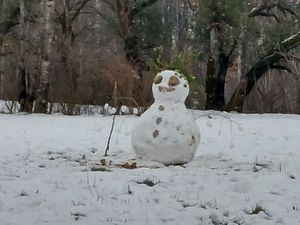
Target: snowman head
{"points": [[171, 86]]}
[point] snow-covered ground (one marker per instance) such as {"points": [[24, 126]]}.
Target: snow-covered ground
{"points": [[246, 171]]}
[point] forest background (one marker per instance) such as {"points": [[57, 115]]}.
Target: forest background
{"points": [[238, 55]]}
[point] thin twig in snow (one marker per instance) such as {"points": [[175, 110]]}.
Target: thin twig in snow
{"points": [[217, 114], [110, 134]]}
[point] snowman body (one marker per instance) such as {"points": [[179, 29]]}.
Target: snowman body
{"points": [[166, 132]]}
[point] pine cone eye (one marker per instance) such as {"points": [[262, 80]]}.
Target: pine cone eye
{"points": [[158, 79], [174, 81]]}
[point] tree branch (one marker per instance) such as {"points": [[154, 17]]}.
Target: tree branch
{"points": [[276, 54], [281, 67], [80, 4], [294, 58], [270, 59], [266, 10], [75, 10]]}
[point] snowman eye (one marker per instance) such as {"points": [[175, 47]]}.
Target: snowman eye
{"points": [[174, 81], [157, 79]]}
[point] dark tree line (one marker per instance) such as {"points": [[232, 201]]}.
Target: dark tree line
{"points": [[237, 54]]}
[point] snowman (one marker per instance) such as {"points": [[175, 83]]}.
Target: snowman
{"points": [[167, 132]]}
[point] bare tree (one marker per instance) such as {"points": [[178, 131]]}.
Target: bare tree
{"points": [[66, 18], [42, 92], [271, 60], [270, 8], [25, 99]]}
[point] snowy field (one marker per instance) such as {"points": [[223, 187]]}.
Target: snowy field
{"points": [[52, 171]]}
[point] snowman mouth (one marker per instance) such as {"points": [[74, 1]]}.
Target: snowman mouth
{"points": [[166, 89]]}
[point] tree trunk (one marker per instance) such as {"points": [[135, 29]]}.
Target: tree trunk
{"points": [[212, 70], [211, 84], [68, 36], [25, 98], [1, 71], [167, 42], [241, 75], [42, 93], [241, 56], [217, 67], [183, 26], [219, 95]]}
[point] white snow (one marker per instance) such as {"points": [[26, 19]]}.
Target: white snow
{"points": [[242, 161]]}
